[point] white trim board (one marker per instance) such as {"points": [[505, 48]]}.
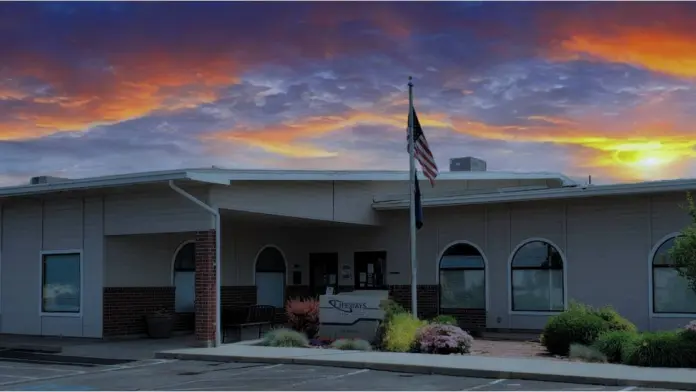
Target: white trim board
{"points": [[502, 196]]}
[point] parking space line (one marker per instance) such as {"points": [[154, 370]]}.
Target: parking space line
{"points": [[488, 384], [628, 388], [227, 375], [336, 377], [72, 373]]}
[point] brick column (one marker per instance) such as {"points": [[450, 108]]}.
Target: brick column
{"points": [[206, 317]]}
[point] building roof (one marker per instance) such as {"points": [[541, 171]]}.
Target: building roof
{"points": [[516, 195], [226, 176]]}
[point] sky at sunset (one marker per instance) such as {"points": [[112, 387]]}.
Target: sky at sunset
{"points": [[607, 89]]}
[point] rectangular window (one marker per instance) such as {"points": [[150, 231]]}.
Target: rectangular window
{"points": [[61, 282], [463, 289], [672, 293], [537, 290]]}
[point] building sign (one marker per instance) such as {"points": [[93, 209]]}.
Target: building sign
{"points": [[349, 315]]}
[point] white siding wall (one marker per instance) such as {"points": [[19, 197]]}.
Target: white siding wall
{"points": [[30, 227], [141, 260], [241, 246], [606, 243], [161, 211]]}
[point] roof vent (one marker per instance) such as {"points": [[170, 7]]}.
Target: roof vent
{"points": [[469, 164], [46, 180]]}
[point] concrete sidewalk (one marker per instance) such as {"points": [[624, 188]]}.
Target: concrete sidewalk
{"points": [[450, 365]]}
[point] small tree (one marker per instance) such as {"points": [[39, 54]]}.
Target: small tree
{"points": [[683, 253]]}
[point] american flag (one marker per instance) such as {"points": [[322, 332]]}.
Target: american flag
{"points": [[422, 153]]}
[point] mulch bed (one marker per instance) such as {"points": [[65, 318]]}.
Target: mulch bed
{"points": [[492, 348]]}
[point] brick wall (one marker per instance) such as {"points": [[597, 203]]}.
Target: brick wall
{"points": [[472, 320], [125, 308], [238, 296], [427, 298], [206, 317]]}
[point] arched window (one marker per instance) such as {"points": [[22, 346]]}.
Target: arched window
{"points": [[462, 278], [184, 276], [270, 277], [537, 278], [671, 292]]}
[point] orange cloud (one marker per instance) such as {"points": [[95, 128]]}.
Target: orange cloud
{"points": [[133, 86], [655, 36], [645, 142], [292, 138]]}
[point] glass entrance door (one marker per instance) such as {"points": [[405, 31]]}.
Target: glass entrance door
{"points": [[323, 272]]}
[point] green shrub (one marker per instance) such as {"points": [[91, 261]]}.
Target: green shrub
{"points": [[581, 324], [391, 308], [575, 325], [351, 344], [400, 332], [611, 344], [584, 353], [660, 349], [444, 319], [614, 319], [284, 337]]}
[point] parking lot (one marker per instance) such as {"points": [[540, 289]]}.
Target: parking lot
{"points": [[199, 376]]}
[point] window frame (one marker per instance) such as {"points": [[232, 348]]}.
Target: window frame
{"points": [[439, 271], [42, 259], [510, 269], [651, 281], [174, 269], [285, 272]]}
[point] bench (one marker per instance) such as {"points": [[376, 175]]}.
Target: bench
{"points": [[238, 318]]}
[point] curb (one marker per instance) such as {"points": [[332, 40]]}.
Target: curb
{"points": [[443, 371]]}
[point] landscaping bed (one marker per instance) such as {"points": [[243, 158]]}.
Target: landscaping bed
{"points": [[581, 333]]}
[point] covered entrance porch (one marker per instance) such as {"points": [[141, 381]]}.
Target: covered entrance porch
{"points": [[265, 260]]}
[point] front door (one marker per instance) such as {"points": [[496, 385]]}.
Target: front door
{"points": [[323, 272]]}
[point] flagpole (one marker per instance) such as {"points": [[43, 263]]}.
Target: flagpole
{"points": [[412, 203]]}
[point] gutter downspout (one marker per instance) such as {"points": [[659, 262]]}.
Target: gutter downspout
{"points": [[216, 213]]}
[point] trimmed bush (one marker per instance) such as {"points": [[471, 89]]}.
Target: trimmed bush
{"points": [[611, 344], [444, 319], [284, 337], [303, 315], [581, 324], [575, 325], [583, 353], [400, 332], [660, 349], [351, 344], [443, 339], [614, 319]]}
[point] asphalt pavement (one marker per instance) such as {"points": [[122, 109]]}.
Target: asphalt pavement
{"points": [[215, 376]]}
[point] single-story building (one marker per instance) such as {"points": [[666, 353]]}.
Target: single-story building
{"points": [[90, 257]]}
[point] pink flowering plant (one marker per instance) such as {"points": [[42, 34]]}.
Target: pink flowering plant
{"points": [[443, 339], [689, 331]]}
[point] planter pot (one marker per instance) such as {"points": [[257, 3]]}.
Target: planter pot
{"points": [[159, 326]]}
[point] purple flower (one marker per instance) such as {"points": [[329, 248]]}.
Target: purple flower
{"points": [[443, 339]]}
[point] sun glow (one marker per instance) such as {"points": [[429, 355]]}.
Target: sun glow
{"points": [[646, 156]]}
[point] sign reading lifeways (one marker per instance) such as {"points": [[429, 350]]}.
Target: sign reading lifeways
{"points": [[350, 315], [347, 306]]}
